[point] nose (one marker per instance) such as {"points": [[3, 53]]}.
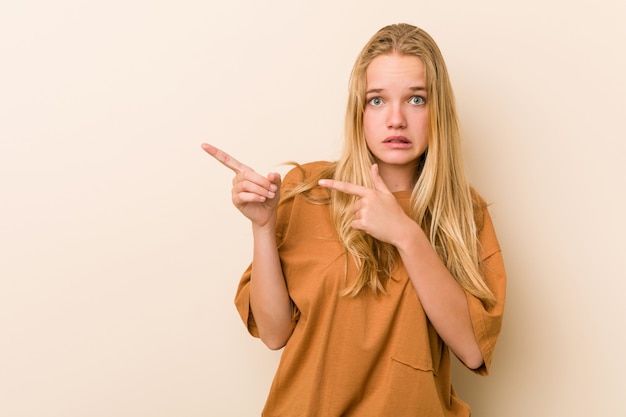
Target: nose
{"points": [[395, 117]]}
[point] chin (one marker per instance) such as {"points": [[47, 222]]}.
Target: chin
{"points": [[398, 161]]}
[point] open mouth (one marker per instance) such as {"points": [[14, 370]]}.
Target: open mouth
{"points": [[397, 139]]}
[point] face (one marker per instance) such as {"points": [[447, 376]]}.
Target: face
{"points": [[395, 119]]}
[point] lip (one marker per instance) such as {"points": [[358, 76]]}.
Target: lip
{"points": [[398, 142], [396, 139]]}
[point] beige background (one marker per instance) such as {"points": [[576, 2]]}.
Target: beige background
{"points": [[120, 251]]}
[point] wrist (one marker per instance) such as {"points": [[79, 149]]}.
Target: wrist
{"points": [[266, 228], [409, 237]]}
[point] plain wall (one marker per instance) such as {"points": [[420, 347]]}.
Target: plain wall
{"points": [[120, 251]]}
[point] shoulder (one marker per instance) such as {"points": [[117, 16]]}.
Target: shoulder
{"points": [[300, 192], [480, 208], [308, 171], [484, 225]]}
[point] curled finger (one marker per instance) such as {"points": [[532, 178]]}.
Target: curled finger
{"points": [[254, 188], [242, 197]]}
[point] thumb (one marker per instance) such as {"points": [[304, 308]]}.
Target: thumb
{"points": [[276, 181], [379, 184]]}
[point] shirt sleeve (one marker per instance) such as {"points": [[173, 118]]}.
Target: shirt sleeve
{"points": [[487, 321], [242, 296], [242, 302]]}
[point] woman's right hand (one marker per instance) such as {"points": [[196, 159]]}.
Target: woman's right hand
{"points": [[257, 198], [254, 195]]}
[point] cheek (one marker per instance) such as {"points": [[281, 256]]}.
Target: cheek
{"points": [[426, 123], [422, 122], [369, 125]]}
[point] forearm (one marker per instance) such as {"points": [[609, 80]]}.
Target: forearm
{"points": [[442, 298], [269, 299]]}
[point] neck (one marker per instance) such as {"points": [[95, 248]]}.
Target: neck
{"points": [[398, 178]]}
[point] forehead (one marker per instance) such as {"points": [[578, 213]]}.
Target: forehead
{"points": [[393, 69]]}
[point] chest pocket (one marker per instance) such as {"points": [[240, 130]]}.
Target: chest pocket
{"points": [[417, 344]]}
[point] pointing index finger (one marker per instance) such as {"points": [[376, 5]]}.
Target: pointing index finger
{"points": [[344, 187], [226, 160]]}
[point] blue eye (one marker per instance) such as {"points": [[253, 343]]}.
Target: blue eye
{"points": [[376, 101], [417, 100]]}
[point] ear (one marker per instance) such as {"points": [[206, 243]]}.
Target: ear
{"points": [[379, 184]]}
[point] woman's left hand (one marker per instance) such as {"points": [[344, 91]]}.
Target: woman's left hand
{"points": [[376, 210]]}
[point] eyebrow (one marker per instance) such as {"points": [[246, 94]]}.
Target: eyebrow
{"points": [[380, 90]]}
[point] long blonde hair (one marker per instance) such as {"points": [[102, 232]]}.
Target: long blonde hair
{"points": [[442, 202]]}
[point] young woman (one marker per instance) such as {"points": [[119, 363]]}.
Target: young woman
{"points": [[370, 269]]}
